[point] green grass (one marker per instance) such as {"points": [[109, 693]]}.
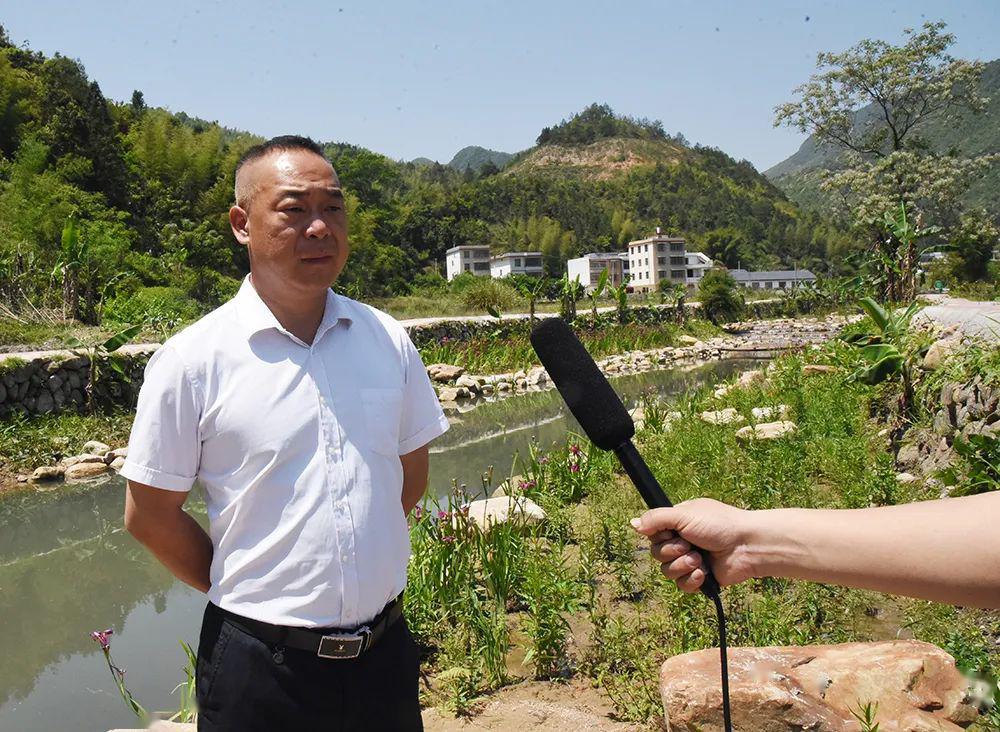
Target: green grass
{"points": [[584, 580], [488, 354]]}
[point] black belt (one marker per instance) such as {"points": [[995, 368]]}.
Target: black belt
{"points": [[324, 642]]}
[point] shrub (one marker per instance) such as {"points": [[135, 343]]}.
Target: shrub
{"points": [[720, 300], [488, 294], [160, 307]]}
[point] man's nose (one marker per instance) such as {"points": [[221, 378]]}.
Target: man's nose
{"points": [[317, 228]]}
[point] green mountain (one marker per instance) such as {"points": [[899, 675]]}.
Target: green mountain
{"points": [[150, 191], [968, 134], [474, 158]]}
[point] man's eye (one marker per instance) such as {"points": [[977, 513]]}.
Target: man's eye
{"points": [[332, 207], [292, 209]]}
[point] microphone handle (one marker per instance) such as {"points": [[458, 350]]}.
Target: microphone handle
{"points": [[651, 492]]}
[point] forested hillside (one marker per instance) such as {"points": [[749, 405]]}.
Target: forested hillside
{"points": [[149, 192], [965, 134]]}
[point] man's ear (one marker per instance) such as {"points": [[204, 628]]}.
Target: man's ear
{"points": [[239, 220]]}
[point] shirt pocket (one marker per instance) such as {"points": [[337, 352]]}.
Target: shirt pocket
{"points": [[382, 408]]}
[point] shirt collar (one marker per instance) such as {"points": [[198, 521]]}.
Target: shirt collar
{"points": [[255, 316]]}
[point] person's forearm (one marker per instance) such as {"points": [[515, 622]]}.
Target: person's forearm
{"points": [[180, 544], [944, 550]]}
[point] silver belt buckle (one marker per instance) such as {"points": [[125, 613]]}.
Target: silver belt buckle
{"points": [[343, 645]]}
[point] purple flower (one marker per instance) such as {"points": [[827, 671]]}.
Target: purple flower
{"points": [[574, 468], [574, 449], [103, 637], [418, 512], [442, 515], [447, 539]]}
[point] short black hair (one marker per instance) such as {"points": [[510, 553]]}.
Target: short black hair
{"points": [[275, 144]]}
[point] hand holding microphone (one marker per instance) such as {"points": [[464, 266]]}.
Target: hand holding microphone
{"points": [[724, 532]]}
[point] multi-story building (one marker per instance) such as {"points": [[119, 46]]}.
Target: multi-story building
{"points": [[529, 263], [473, 258], [697, 265], [588, 268], [658, 258], [772, 280]]}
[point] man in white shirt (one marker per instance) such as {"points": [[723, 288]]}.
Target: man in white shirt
{"points": [[306, 417]]}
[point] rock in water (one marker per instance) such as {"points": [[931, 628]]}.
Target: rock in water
{"points": [[766, 431]]}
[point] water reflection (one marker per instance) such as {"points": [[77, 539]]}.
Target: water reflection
{"points": [[67, 568]]}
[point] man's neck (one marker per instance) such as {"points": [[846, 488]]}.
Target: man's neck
{"points": [[299, 314]]}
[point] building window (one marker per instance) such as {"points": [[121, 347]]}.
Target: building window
{"points": [[677, 246], [533, 262], [661, 260], [467, 268], [662, 274], [466, 254], [691, 273], [661, 247], [677, 274], [677, 260]]}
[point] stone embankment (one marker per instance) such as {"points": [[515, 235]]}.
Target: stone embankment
{"points": [[760, 339]]}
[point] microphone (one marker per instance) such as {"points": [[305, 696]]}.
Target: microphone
{"points": [[601, 414]]}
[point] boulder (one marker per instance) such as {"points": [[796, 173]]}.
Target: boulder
{"points": [[47, 474], [749, 378], [776, 689], [722, 416], [814, 369], [939, 352], [469, 382], [906, 478], [112, 455], [117, 464], [761, 414], [488, 511], [452, 393], [95, 448], [767, 431], [68, 462], [686, 340], [85, 471], [442, 372]]}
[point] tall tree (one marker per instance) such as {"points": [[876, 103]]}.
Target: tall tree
{"points": [[871, 101]]}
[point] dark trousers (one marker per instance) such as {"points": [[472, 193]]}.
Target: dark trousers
{"points": [[242, 688]]}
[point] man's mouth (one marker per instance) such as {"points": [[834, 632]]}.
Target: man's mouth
{"points": [[317, 259]]}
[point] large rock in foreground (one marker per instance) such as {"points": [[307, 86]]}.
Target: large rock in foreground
{"points": [[778, 689], [488, 511]]}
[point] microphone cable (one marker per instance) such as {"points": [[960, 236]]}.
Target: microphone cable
{"points": [[727, 718]]}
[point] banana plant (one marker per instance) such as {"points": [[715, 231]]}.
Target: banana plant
{"points": [[886, 350], [602, 283], [620, 296], [98, 353]]}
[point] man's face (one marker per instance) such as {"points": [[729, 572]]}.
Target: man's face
{"points": [[296, 227]]}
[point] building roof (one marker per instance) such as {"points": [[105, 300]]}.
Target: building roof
{"points": [[656, 239], [517, 254], [603, 255], [742, 275], [460, 247]]}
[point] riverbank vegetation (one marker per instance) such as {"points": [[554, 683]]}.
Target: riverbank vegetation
{"points": [[573, 596]]}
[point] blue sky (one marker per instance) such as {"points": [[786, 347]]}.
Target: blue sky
{"points": [[426, 79]]}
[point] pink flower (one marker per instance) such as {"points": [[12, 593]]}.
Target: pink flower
{"points": [[442, 515], [574, 468], [418, 512], [464, 508], [543, 460], [447, 539], [103, 637], [574, 449]]}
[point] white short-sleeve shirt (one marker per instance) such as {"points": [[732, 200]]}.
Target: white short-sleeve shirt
{"points": [[297, 448]]}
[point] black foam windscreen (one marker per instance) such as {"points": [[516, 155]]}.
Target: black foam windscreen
{"points": [[583, 387]]}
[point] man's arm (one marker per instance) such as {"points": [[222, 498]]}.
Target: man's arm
{"points": [[157, 519], [414, 477], [946, 550]]}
